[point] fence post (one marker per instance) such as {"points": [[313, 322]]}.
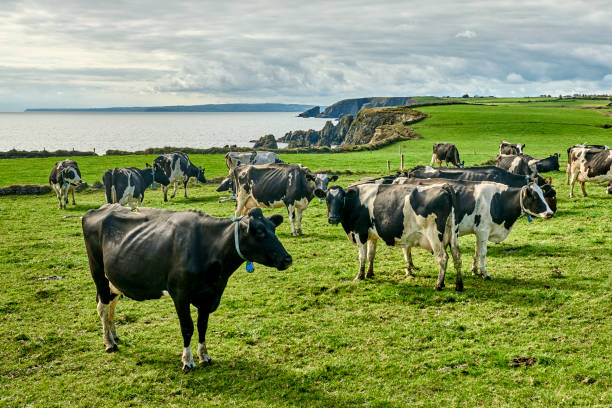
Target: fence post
{"points": [[388, 166], [402, 167]]}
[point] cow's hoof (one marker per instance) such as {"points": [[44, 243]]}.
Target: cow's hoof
{"points": [[112, 349], [486, 277], [206, 361], [439, 286], [358, 278], [188, 367], [369, 275], [459, 286]]}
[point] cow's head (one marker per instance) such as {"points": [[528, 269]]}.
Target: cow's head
{"points": [[555, 161], [546, 186], [200, 175], [520, 148], [159, 176], [225, 184], [335, 198], [72, 175], [258, 241], [533, 201]]}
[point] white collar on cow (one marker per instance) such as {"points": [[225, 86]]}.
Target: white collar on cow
{"points": [[249, 265]]}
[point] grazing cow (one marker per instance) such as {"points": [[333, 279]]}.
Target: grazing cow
{"points": [[178, 168], [511, 148], [515, 164], [488, 173], [445, 152], [277, 185], [593, 165], [64, 176], [400, 215], [550, 163], [233, 159], [575, 149], [488, 210], [127, 185], [185, 254]]}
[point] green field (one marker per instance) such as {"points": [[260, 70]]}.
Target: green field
{"points": [[537, 334]]}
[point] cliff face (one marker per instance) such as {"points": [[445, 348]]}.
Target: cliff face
{"points": [[352, 106], [370, 125], [310, 113], [375, 124]]}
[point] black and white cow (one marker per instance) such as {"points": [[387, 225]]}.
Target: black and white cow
{"points": [[445, 152], [64, 177], [400, 215], [592, 165], [488, 210], [516, 164], [488, 173], [233, 159], [574, 151], [511, 148], [178, 168], [278, 185], [185, 254], [550, 163], [126, 186]]}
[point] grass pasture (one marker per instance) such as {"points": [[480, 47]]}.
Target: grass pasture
{"points": [[537, 334]]}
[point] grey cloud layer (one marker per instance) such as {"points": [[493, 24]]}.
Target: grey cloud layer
{"points": [[81, 53]]}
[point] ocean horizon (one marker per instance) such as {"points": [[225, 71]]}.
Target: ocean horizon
{"points": [[131, 131]]}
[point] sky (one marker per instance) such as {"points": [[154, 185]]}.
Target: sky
{"points": [[80, 53]]}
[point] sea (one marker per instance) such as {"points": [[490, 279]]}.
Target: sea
{"points": [[131, 131]]}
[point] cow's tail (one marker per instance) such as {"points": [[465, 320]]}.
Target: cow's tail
{"points": [[107, 180]]}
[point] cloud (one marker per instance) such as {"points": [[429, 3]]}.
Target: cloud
{"points": [[466, 34], [152, 52]]}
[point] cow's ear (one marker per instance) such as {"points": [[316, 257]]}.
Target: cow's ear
{"points": [[310, 177], [333, 178], [549, 180], [147, 165], [319, 193], [276, 219]]}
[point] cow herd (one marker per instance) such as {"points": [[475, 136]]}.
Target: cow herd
{"points": [[190, 256]]}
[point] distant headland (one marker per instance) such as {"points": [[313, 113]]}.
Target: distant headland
{"points": [[223, 107]]}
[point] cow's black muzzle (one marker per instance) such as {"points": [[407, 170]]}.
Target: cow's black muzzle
{"points": [[333, 220], [285, 263]]}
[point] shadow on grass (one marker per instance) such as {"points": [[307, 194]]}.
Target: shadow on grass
{"points": [[247, 380]]}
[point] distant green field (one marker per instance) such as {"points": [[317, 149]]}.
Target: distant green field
{"points": [[537, 334]]}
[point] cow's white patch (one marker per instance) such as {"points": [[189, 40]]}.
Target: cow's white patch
{"points": [[429, 169], [203, 354], [165, 293], [187, 359]]}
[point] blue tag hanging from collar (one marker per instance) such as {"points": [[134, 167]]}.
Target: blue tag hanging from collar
{"points": [[152, 186], [528, 218], [65, 184], [320, 201], [250, 268]]}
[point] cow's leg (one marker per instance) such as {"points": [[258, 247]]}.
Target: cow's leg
{"points": [[362, 258], [371, 255], [573, 178], [72, 192], [202, 326], [299, 220], [442, 258], [567, 174], [476, 259], [175, 188], [456, 254], [482, 255], [58, 194], [165, 190], [408, 258], [184, 315], [111, 315], [240, 203], [185, 187], [584, 193], [291, 212], [433, 159]]}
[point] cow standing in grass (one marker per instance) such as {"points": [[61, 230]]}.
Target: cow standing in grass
{"points": [[278, 185], [185, 254], [179, 169], [400, 215], [445, 152], [64, 177], [487, 209], [550, 163], [511, 148], [592, 165], [127, 185]]}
